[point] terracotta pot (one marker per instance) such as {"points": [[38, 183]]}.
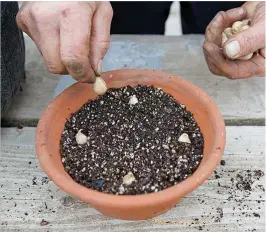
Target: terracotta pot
{"points": [[135, 207]]}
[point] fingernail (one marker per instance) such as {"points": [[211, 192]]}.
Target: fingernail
{"points": [[99, 67], [232, 49]]}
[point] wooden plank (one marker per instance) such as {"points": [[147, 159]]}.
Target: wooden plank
{"points": [[217, 205], [37, 88], [241, 101]]}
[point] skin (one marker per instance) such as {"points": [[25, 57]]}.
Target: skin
{"points": [[250, 40], [73, 37]]}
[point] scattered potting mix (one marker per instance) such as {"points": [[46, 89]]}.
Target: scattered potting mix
{"points": [[131, 141]]}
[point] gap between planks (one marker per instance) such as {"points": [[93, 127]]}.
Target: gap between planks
{"points": [[244, 150]]}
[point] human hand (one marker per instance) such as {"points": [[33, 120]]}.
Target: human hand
{"points": [[223, 62], [73, 37]]}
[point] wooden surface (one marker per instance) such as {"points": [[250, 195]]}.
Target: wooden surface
{"points": [[241, 102], [218, 205], [221, 204]]}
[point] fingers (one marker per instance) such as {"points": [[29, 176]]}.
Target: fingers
{"points": [[75, 43], [62, 33], [45, 34], [49, 42], [221, 21], [250, 7], [100, 35], [25, 22], [222, 61], [232, 69], [236, 14], [245, 42], [213, 57], [50, 47], [258, 65], [23, 17], [262, 52]]}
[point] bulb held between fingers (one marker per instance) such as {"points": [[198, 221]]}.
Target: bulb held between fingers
{"points": [[236, 27], [99, 86], [228, 32]]}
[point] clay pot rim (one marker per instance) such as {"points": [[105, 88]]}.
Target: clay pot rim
{"points": [[66, 183]]}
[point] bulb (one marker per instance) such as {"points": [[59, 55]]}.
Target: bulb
{"points": [[99, 86], [236, 27], [184, 138], [129, 178], [81, 138], [133, 100], [228, 32]]}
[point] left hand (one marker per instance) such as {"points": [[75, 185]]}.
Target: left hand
{"points": [[73, 37], [220, 59]]}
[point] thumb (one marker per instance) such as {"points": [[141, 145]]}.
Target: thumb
{"points": [[245, 42]]}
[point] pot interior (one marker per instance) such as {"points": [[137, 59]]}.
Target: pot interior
{"points": [[185, 93]]}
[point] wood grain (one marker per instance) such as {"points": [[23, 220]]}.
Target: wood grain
{"points": [[241, 101], [24, 189]]}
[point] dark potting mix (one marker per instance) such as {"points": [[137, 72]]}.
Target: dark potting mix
{"points": [[131, 141]]}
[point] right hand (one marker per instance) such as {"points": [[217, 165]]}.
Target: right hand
{"points": [[224, 62], [73, 37]]}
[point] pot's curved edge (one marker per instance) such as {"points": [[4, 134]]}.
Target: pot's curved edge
{"points": [[97, 198]]}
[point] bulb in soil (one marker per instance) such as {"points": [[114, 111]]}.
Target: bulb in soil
{"points": [[121, 189], [129, 178], [99, 86], [133, 100], [81, 138], [184, 138]]}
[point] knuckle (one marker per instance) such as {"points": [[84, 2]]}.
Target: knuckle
{"points": [[215, 25], [40, 15], [207, 49], [205, 46], [213, 70], [91, 7], [211, 33], [75, 8], [222, 14], [104, 46], [68, 59], [54, 68], [73, 54], [246, 42], [230, 75], [73, 64], [208, 28], [221, 17], [108, 10], [22, 18], [66, 12]]}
